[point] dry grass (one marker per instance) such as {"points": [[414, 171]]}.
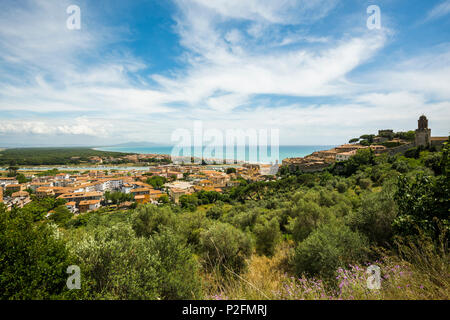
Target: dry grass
{"points": [[263, 278], [417, 271]]}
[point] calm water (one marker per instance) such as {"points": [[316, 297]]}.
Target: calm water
{"points": [[242, 153]]}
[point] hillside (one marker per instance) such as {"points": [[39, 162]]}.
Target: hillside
{"points": [[302, 236]]}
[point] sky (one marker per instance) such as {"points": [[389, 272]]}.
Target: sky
{"points": [[139, 70]]}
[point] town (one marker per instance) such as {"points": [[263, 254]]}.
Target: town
{"points": [[162, 183], [90, 190], [385, 142]]}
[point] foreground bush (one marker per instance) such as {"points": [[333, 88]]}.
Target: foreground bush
{"points": [[115, 264], [267, 236], [329, 247], [225, 248], [33, 261]]}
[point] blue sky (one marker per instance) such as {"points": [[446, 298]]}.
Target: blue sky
{"points": [[138, 70]]}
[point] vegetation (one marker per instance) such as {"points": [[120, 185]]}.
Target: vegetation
{"points": [[302, 236], [117, 197], [156, 181], [51, 156]]}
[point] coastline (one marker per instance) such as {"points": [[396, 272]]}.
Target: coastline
{"points": [[285, 151]]}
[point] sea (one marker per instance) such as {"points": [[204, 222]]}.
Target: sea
{"points": [[245, 153]]}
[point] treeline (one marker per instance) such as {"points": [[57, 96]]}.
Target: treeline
{"points": [[52, 156]]}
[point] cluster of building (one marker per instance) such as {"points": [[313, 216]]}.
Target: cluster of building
{"points": [[86, 192], [320, 160]]}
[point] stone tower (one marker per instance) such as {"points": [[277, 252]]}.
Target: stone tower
{"points": [[423, 134]]}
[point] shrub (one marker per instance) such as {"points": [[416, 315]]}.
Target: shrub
{"points": [[192, 224], [149, 219], [115, 264], [364, 183], [423, 204], [341, 187], [327, 248], [267, 236], [33, 261], [375, 217], [61, 215], [178, 269], [309, 216], [225, 248]]}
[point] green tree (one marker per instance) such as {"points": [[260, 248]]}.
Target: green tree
{"points": [[309, 215], [178, 269], [118, 265], [156, 181], [225, 248], [38, 208], [231, 170], [329, 247], [368, 137], [189, 201], [164, 199], [12, 171], [423, 204], [117, 197], [61, 215], [33, 261], [267, 236], [21, 178], [375, 216], [149, 219]]}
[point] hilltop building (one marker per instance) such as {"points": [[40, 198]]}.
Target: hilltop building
{"points": [[423, 135], [383, 143]]}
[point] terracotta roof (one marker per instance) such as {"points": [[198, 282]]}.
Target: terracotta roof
{"points": [[140, 190], [439, 138], [87, 202]]}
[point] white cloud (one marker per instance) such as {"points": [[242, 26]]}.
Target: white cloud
{"points": [[439, 11], [77, 126], [280, 11], [226, 67]]}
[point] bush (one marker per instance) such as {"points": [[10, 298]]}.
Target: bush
{"points": [[225, 248], [61, 215], [375, 217], [267, 236], [115, 264], [33, 261], [327, 248], [309, 216], [178, 269], [192, 224], [149, 219], [341, 187], [364, 183], [423, 204]]}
